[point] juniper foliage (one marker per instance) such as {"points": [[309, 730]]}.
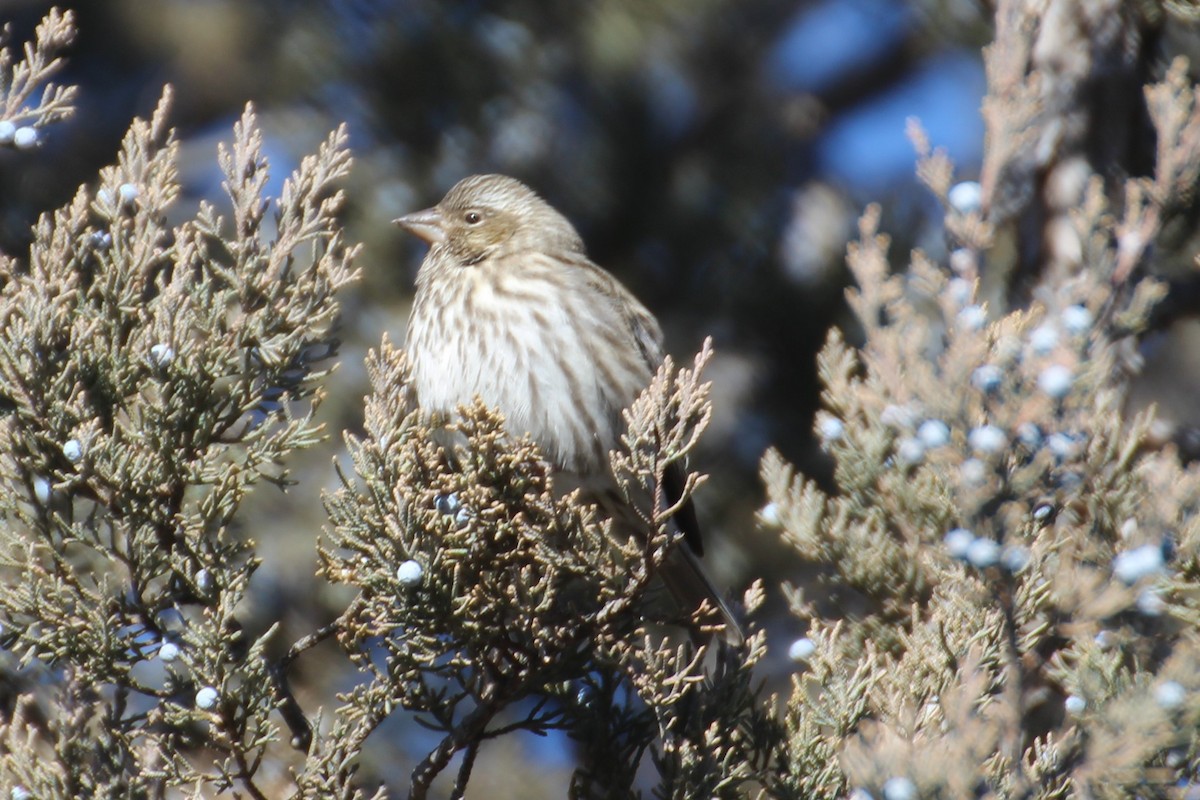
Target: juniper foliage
{"points": [[1006, 560], [152, 376], [515, 608]]}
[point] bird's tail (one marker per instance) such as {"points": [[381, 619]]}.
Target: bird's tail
{"points": [[690, 587]]}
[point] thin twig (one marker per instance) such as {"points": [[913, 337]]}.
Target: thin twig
{"points": [[467, 733], [286, 703], [1014, 688], [311, 640], [247, 774], [289, 708], [464, 771]]}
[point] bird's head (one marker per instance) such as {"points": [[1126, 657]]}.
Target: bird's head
{"points": [[492, 215]]}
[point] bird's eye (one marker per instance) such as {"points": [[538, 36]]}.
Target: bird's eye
{"points": [[473, 217]]}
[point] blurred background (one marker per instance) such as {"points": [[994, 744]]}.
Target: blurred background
{"points": [[714, 154]]}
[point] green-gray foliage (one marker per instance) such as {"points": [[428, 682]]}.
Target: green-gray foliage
{"points": [[154, 373]]}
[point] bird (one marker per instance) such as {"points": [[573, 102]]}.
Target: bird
{"points": [[507, 295]]}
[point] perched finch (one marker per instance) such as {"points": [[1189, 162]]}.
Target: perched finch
{"points": [[510, 309]]}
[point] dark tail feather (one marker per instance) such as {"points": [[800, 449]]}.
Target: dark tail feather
{"points": [[689, 586], [685, 518]]}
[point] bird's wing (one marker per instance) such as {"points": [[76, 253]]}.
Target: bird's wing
{"points": [[637, 319], [646, 333], [648, 337]]}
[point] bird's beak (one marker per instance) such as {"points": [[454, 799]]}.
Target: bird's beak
{"points": [[427, 225]]}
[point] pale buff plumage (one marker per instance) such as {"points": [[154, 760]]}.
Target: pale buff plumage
{"points": [[509, 308]]}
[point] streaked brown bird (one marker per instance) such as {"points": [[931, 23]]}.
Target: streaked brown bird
{"points": [[510, 309]]}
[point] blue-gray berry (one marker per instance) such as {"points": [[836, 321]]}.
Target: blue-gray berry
{"points": [[960, 290], [128, 193], [830, 429], [1029, 434], [26, 137], [207, 698], [987, 378], [1063, 445], [899, 788], [958, 542], [42, 490], [409, 573], [446, 503], [1170, 695], [1077, 319], [72, 449], [983, 553], [204, 581], [987, 439], [966, 197], [1131, 566], [802, 649], [1056, 380], [1014, 558], [963, 261], [161, 354], [973, 471], [910, 450], [1043, 339], [1150, 603], [897, 416], [972, 317], [934, 433]]}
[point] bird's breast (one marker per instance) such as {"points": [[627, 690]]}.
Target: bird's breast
{"points": [[527, 345]]}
